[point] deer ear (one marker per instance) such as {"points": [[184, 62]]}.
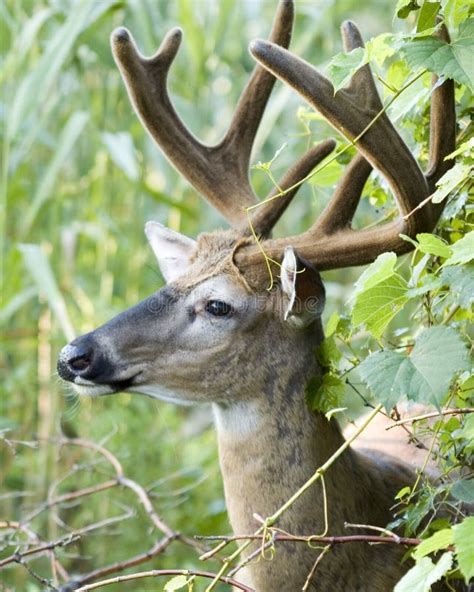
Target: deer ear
{"points": [[172, 249], [302, 285]]}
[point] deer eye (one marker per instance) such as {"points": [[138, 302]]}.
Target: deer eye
{"points": [[218, 308]]}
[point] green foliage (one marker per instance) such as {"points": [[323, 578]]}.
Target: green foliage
{"points": [[425, 573], [463, 537], [424, 376]]}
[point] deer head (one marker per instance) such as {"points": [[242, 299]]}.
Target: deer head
{"points": [[216, 296]]}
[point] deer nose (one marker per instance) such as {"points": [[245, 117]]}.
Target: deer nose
{"points": [[76, 360]]}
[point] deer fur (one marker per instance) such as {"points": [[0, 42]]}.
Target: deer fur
{"points": [[253, 369]]}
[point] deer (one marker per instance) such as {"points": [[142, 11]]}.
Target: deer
{"points": [[216, 334]]}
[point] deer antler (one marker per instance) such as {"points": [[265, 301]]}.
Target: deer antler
{"points": [[356, 111], [220, 172]]}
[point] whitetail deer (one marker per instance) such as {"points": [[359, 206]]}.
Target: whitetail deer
{"points": [[215, 334]]}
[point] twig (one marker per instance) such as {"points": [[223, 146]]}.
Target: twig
{"points": [[390, 538], [313, 569], [18, 557], [460, 411], [119, 566], [156, 573]]}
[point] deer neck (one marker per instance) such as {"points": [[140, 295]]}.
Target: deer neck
{"points": [[269, 445]]}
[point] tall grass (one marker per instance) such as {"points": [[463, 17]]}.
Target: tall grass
{"points": [[79, 177]]}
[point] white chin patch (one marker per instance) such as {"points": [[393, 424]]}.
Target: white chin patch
{"points": [[92, 390], [161, 393]]}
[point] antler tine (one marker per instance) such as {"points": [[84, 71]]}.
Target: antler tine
{"points": [[356, 111], [220, 172], [341, 209], [265, 217]]}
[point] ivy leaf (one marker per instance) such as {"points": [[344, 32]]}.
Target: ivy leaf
{"points": [[344, 65], [439, 540], [463, 490], [432, 245], [427, 17], [463, 536], [424, 573], [424, 376], [404, 7], [463, 250], [450, 60], [375, 307]]}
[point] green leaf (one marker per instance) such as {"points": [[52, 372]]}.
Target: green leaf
{"points": [[375, 307], [122, 151], [439, 540], [424, 573], [382, 268], [463, 490], [328, 172], [433, 245], [450, 60], [450, 181], [404, 7], [326, 393], [37, 263], [464, 546], [344, 65], [423, 376], [327, 353], [463, 250], [460, 280], [331, 325], [380, 48], [65, 144], [427, 16], [175, 583]]}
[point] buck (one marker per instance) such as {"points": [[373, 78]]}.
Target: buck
{"points": [[215, 333]]}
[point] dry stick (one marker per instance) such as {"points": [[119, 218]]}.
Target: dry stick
{"points": [[100, 572], [460, 411], [155, 573], [313, 569], [18, 557], [270, 521], [391, 538]]}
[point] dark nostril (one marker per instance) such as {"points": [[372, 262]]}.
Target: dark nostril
{"points": [[80, 363]]}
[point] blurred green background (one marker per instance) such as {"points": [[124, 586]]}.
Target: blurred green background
{"points": [[79, 178]]}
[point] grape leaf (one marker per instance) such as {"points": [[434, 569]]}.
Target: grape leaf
{"points": [[462, 250], [404, 7], [423, 376], [375, 307], [344, 65], [424, 573], [463, 536], [439, 540], [427, 16], [450, 60], [433, 245], [463, 490], [460, 280]]}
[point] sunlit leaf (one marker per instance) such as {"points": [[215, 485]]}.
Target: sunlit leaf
{"points": [[439, 540], [344, 65], [424, 573], [432, 245], [424, 375], [427, 16], [463, 536], [462, 250]]}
